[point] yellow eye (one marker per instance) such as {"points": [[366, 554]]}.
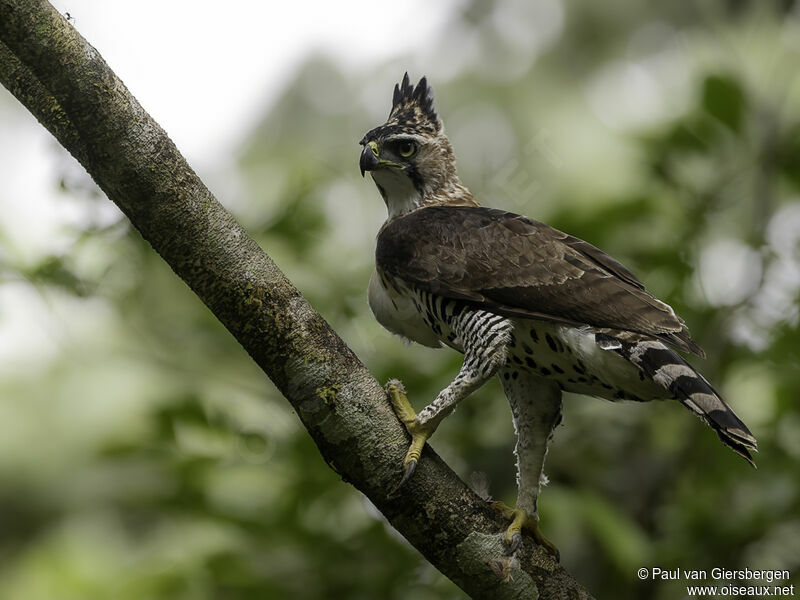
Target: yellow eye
{"points": [[406, 149]]}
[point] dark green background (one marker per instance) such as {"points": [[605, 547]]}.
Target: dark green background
{"points": [[147, 457]]}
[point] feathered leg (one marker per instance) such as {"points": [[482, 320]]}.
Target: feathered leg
{"points": [[421, 426], [536, 409], [484, 338]]}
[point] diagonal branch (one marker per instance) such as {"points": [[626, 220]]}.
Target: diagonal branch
{"points": [[66, 84]]}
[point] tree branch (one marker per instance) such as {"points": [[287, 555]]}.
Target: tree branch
{"points": [[66, 84]]}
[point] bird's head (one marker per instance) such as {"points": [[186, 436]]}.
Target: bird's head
{"points": [[409, 157]]}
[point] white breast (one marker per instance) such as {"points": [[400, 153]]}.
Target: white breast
{"points": [[398, 191], [397, 313]]}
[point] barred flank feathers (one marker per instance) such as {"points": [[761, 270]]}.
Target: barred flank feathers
{"points": [[667, 368]]}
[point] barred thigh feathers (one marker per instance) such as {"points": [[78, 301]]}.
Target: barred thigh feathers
{"points": [[669, 370]]}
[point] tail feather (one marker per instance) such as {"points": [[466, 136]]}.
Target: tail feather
{"points": [[668, 369]]}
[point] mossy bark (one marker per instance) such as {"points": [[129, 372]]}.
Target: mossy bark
{"points": [[66, 84]]}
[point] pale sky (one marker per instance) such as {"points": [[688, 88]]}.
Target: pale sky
{"points": [[183, 58], [206, 72]]}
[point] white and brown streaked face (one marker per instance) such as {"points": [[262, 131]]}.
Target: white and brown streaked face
{"points": [[409, 157]]}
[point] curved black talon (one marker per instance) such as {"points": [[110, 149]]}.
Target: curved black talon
{"points": [[516, 540], [408, 471]]}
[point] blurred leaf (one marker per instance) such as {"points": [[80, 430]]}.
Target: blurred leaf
{"points": [[622, 539], [54, 271], [724, 99], [789, 155], [301, 223]]}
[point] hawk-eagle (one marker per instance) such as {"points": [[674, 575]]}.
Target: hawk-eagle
{"points": [[543, 310]]}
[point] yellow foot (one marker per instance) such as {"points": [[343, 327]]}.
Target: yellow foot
{"points": [[419, 433], [520, 521]]}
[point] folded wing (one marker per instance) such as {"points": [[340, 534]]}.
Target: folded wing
{"points": [[519, 267]]}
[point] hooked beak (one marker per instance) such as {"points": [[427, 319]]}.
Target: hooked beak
{"points": [[369, 158]]}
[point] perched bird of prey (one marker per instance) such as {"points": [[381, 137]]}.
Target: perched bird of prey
{"points": [[543, 310]]}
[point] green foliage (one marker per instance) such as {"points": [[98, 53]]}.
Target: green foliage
{"points": [[51, 271], [723, 99], [146, 457]]}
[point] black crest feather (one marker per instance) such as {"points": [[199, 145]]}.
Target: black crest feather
{"points": [[411, 103], [412, 112]]}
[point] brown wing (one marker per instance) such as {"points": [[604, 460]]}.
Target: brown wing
{"points": [[515, 266]]}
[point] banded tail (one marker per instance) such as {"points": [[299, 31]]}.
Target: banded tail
{"points": [[668, 369]]}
